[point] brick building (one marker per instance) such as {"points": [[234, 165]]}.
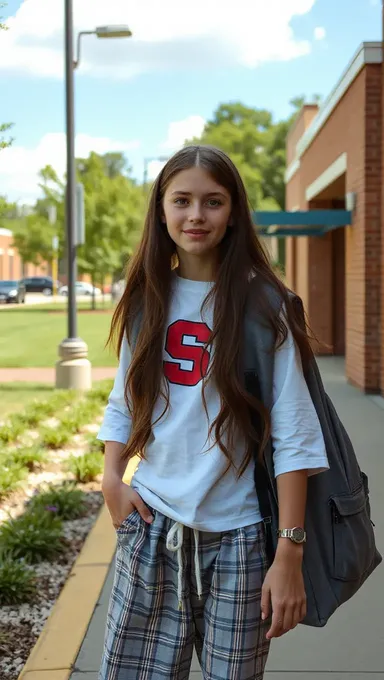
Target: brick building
{"points": [[334, 156], [11, 265]]}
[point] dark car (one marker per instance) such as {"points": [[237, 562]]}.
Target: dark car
{"points": [[38, 284], [12, 291]]}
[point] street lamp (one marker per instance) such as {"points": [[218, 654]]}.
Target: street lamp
{"points": [[73, 370], [120, 31]]}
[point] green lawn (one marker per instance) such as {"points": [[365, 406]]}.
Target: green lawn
{"points": [[30, 335], [14, 396]]}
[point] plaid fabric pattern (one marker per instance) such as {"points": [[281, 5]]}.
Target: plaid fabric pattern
{"points": [[148, 637]]}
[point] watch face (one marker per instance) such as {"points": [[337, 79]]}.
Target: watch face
{"points": [[298, 535]]}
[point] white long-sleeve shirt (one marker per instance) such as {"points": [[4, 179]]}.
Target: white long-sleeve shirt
{"points": [[181, 475]]}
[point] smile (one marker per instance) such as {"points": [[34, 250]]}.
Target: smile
{"points": [[196, 233]]}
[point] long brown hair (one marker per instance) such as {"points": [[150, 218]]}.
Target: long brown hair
{"points": [[147, 293]]}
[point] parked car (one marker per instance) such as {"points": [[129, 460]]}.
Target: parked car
{"points": [[81, 288], [12, 291], [39, 284]]}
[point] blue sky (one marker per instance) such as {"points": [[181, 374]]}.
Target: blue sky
{"points": [[146, 94]]}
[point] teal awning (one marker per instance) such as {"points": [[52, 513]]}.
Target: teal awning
{"points": [[301, 222]]}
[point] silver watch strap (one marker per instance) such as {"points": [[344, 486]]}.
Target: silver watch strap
{"points": [[285, 533]]}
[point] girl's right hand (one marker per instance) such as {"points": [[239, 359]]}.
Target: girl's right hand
{"points": [[122, 500]]}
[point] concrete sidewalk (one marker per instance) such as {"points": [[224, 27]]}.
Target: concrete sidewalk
{"points": [[351, 645], [48, 374]]}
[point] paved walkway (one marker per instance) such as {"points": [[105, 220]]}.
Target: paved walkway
{"points": [[351, 645], [47, 375]]}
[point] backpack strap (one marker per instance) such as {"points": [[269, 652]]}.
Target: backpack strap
{"points": [[261, 475]]}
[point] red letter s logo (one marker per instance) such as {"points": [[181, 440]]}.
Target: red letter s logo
{"points": [[179, 351]]}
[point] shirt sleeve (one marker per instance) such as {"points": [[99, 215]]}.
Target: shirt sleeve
{"points": [[297, 437], [116, 425]]}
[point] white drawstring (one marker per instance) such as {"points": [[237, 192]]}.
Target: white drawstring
{"points": [[178, 530], [197, 565]]}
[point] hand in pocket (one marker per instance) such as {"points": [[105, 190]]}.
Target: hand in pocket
{"points": [[122, 500]]}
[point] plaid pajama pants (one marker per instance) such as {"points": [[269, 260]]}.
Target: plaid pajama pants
{"points": [[156, 616]]}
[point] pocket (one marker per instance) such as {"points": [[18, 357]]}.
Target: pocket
{"points": [[353, 537], [128, 521]]}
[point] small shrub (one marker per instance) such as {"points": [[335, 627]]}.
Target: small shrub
{"points": [[54, 438], [43, 409], [34, 413], [95, 445], [71, 423], [83, 414], [34, 537], [11, 475], [67, 501], [40, 410], [11, 431], [61, 399], [30, 457], [17, 583], [87, 467], [100, 393]]}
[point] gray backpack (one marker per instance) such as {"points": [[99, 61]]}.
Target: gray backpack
{"points": [[340, 552]]}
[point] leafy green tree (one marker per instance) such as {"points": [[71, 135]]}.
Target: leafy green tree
{"points": [[7, 213], [4, 127], [114, 212], [32, 237], [256, 144]]}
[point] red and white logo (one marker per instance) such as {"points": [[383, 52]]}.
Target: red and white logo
{"points": [[178, 350]]}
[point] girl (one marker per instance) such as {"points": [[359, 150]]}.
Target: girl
{"points": [[191, 565]]}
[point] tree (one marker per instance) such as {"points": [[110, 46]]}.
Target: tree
{"points": [[256, 144], [114, 213], [5, 141], [7, 212], [33, 233], [32, 237], [4, 127]]}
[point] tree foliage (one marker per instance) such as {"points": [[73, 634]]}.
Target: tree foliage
{"points": [[115, 204], [114, 214], [256, 144], [4, 127]]}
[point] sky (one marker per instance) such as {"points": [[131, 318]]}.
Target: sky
{"points": [[145, 95]]}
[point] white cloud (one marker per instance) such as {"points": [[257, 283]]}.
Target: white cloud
{"points": [[20, 165], [319, 33], [178, 132], [181, 130], [154, 168], [167, 35]]}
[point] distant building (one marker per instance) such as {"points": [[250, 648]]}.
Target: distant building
{"points": [[335, 159], [11, 265]]}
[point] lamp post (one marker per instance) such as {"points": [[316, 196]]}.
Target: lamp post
{"points": [[73, 370]]}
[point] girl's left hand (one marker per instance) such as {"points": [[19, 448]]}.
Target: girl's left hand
{"points": [[283, 588]]}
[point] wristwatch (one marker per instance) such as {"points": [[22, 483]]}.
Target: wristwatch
{"points": [[296, 535]]}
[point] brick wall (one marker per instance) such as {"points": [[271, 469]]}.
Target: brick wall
{"points": [[373, 226], [382, 220], [355, 128], [302, 122], [11, 266]]}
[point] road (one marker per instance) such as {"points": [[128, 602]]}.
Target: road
{"points": [[40, 299]]}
